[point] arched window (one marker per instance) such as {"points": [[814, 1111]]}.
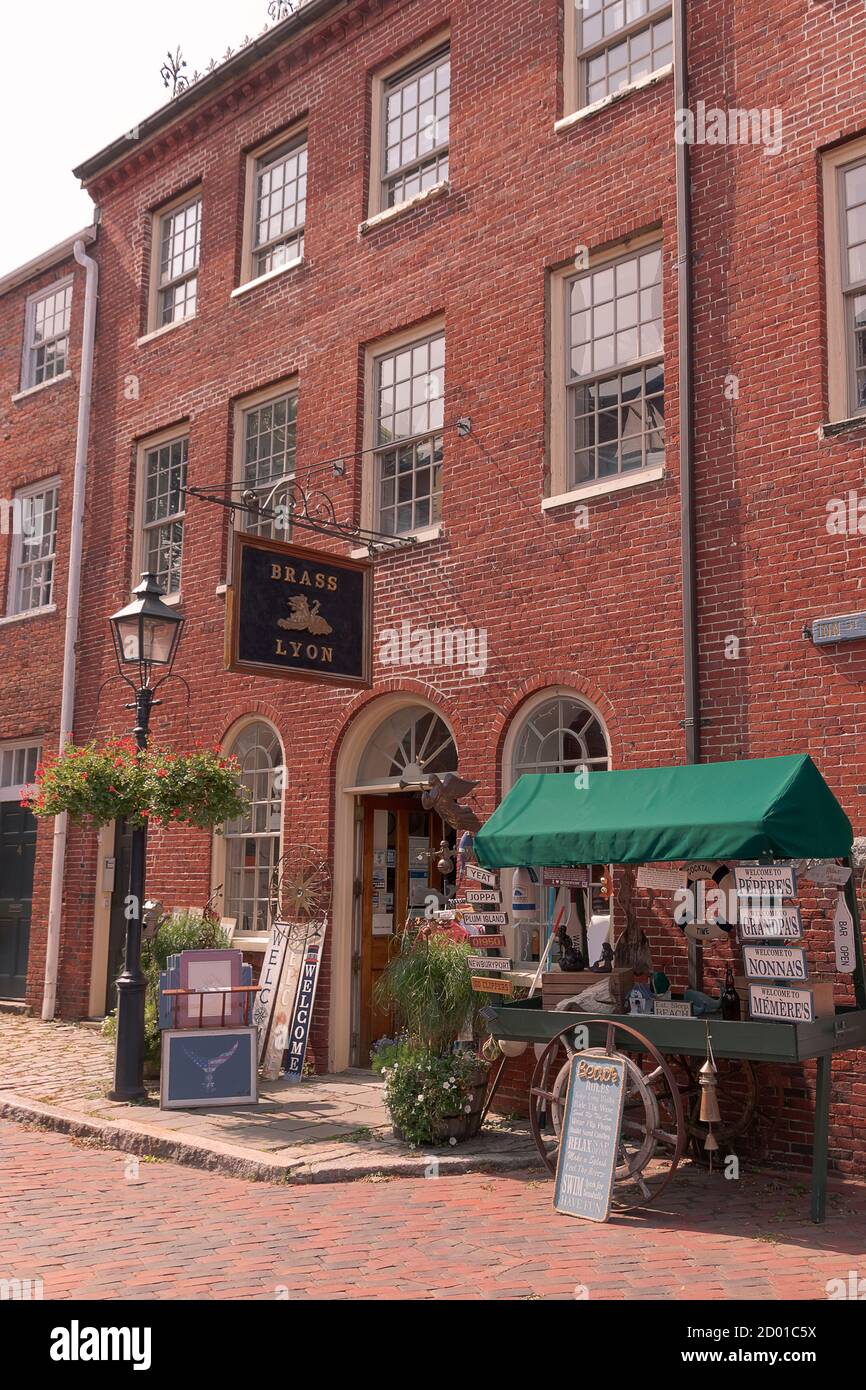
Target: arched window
{"points": [[558, 733], [410, 743], [252, 841]]}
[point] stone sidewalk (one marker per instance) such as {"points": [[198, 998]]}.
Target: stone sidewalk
{"points": [[327, 1129]]}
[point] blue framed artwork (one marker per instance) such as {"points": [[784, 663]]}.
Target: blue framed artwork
{"points": [[207, 1067]]}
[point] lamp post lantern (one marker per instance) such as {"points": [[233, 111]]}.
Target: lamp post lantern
{"points": [[146, 634]]}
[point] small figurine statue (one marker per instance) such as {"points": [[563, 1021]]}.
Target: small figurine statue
{"points": [[570, 956], [604, 966]]}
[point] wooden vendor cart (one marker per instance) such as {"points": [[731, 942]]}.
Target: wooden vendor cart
{"points": [[759, 811]]}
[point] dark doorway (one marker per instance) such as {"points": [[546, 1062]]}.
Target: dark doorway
{"points": [[17, 858]]}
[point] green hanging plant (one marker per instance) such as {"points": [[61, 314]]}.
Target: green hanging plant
{"points": [[102, 782]]}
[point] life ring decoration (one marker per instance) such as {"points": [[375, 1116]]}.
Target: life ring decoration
{"points": [[712, 888], [653, 1133]]}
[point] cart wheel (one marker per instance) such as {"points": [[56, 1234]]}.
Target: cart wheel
{"points": [[653, 1132]]}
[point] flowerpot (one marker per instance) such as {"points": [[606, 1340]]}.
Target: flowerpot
{"points": [[466, 1123]]}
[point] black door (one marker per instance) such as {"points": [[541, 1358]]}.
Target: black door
{"points": [[17, 857], [117, 923]]}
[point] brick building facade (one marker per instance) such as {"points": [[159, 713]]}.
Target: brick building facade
{"points": [[452, 225]]}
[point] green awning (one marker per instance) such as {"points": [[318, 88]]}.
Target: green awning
{"points": [[775, 807]]}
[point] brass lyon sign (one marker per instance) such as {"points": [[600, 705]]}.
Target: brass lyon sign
{"points": [[301, 614]]}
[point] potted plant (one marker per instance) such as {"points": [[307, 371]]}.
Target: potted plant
{"points": [[100, 782], [434, 1094]]}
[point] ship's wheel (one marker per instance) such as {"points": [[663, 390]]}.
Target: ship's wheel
{"points": [[301, 891]]}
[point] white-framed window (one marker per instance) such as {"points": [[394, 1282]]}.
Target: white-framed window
{"points": [[265, 447], [161, 508], [415, 129], [410, 124], [607, 400], [175, 262], [556, 732], [252, 841], [33, 549], [280, 206], [408, 418], [610, 44], [18, 764], [46, 334]]}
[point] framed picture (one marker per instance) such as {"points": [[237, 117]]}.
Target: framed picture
{"points": [[208, 1067]]}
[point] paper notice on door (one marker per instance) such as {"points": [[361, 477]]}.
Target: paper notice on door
{"points": [[383, 924]]}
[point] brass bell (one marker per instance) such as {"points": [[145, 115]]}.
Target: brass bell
{"points": [[710, 1113]]}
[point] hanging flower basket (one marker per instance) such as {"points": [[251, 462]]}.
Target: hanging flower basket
{"points": [[101, 782]]}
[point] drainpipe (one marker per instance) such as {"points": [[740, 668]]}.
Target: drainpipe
{"points": [[692, 708], [692, 705], [70, 636]]}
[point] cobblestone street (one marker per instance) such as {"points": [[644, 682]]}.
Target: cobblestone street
{"points": [[93, 1223]]}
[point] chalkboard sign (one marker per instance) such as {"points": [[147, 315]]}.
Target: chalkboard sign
{"points": [[590, 1135]]}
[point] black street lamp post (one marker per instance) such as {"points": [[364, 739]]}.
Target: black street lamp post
{"points": [[146, 635]]}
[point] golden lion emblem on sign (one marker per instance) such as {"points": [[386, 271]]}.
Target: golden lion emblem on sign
{"points": [[305, 618]]}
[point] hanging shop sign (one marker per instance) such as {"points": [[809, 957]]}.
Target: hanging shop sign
{"points": [[766, 881], [301, 614], [758, 923], [775, 963], [590, 1136], [299, 1030], [847, 627], [488, 877]]}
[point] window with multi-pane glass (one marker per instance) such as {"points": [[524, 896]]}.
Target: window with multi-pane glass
{"points": [[18, 764], [409, 406], [561, 734], [415, 127], [614, 368], [252, 841], [48, 330], [269, 433], [620, 41], [852, 192], [280, 207], [164, 489], [179, 254], [33, 552]]}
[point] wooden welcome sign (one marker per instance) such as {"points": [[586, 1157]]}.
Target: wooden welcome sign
{"points": [[590, 1135]]}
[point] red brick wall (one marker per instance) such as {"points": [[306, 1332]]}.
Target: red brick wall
{"points": [[37, 442], [596, 610]]}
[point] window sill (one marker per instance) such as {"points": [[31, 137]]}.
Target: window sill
{"points": [[428, 533], [429, 195], [166, 328], [650, 80], [834, 427], [268, 275], [601, 489], [31, 613], [43, 386], [246, 941]]}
